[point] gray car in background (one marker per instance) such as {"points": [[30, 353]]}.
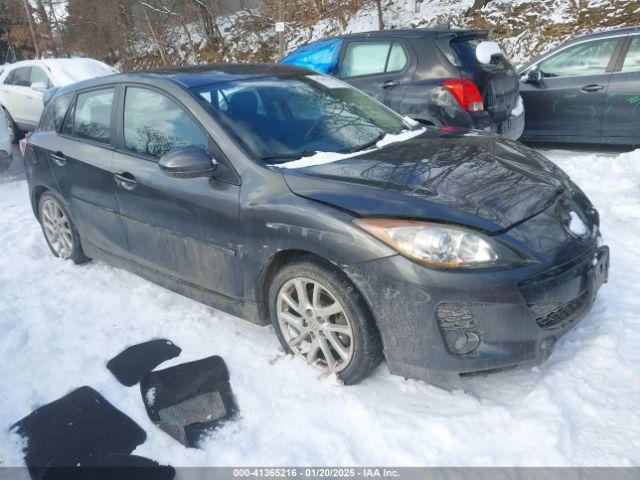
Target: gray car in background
{"points": [[586, 90]]}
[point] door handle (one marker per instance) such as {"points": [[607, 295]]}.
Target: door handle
{"points": [[126, 181], [58, 158], [390, 84], [592, 88]]}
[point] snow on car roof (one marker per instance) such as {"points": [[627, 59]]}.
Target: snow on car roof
{"points": [[69, 70]]}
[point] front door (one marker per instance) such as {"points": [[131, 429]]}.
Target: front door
{"points": [[382, 68], [183, 228], [621, 122], [567, 103]]}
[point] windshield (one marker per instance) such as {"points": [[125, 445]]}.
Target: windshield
{"points": [[283, 118]]}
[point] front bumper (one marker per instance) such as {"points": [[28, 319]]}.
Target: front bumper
{"points": [[499, 319]]}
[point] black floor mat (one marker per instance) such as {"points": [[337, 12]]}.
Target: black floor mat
{"points": [[78, 430], [130, 365], [190, 399], [130, 467]]}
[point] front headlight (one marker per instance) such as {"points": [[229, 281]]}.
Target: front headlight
{"points": [[441, 246]]}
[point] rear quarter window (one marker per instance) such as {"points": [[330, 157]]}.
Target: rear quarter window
{"points": [[54, 113], [59, 110]]}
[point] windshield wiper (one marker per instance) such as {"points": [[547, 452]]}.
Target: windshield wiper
{"points": [[288, 156], [369, 144]]}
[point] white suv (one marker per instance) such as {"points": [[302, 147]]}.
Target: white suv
{"points": [[22, 85]]}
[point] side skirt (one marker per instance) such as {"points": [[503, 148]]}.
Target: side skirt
{"points": [[243, 309]]}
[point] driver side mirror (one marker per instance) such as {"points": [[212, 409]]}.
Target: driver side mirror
{"points": [[39, 86], [534, 76], [188, 162]]}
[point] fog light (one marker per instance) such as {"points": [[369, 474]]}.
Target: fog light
{"points": [[458, 328], [465, 343]]}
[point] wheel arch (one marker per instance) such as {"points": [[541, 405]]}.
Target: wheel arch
{"points": [[285, 257], [36, 193]]}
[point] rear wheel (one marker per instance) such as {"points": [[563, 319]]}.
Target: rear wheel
{"points": [[59, 232], [14, 131], [319, 316]]}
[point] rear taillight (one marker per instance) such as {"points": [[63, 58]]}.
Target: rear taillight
{"points": [[466, 93]]}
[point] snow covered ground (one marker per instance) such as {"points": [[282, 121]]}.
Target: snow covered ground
{"points": [[60, 323]]}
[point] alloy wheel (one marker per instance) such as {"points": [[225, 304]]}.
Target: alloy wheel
{"points": [[57, 228], [10, 127], [314, 324]]}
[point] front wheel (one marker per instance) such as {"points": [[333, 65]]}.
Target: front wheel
{"points": [[59, 232], [319, 316]]}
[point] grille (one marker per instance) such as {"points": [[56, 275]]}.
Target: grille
{"points": [[557, 315]]}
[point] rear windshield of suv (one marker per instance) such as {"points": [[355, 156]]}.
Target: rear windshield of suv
{"points": [[465, 50]]}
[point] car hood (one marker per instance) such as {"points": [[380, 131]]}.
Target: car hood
{"points": [[444, 174]]}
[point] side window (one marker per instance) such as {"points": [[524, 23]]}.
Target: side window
{"points": [[397, 58], [632, 60], [320, 56], [92, 115], [590, 58], [155, 125], [365, 58], [38, 75], [20, 77]]}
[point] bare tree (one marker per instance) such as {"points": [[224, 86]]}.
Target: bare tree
{"points": [[154, 33]]}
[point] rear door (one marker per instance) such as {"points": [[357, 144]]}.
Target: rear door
{"points": [[567, 103], [381, 67], [80, 157], [181, 227], [621, 115]]}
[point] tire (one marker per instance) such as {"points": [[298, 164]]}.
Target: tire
{"points": [[14, 132], [320, 325], [58, 230]]}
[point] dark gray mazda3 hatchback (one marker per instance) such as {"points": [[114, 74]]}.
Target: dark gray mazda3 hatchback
{"points": [[288, 197]]}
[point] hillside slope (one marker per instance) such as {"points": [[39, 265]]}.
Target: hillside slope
{"points": [[524, 28]]}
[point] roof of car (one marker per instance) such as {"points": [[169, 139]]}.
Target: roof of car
{"points": [[194, 76], [607, 33], [411, 32], [406, 33], [45, 61], [613, 32]]}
